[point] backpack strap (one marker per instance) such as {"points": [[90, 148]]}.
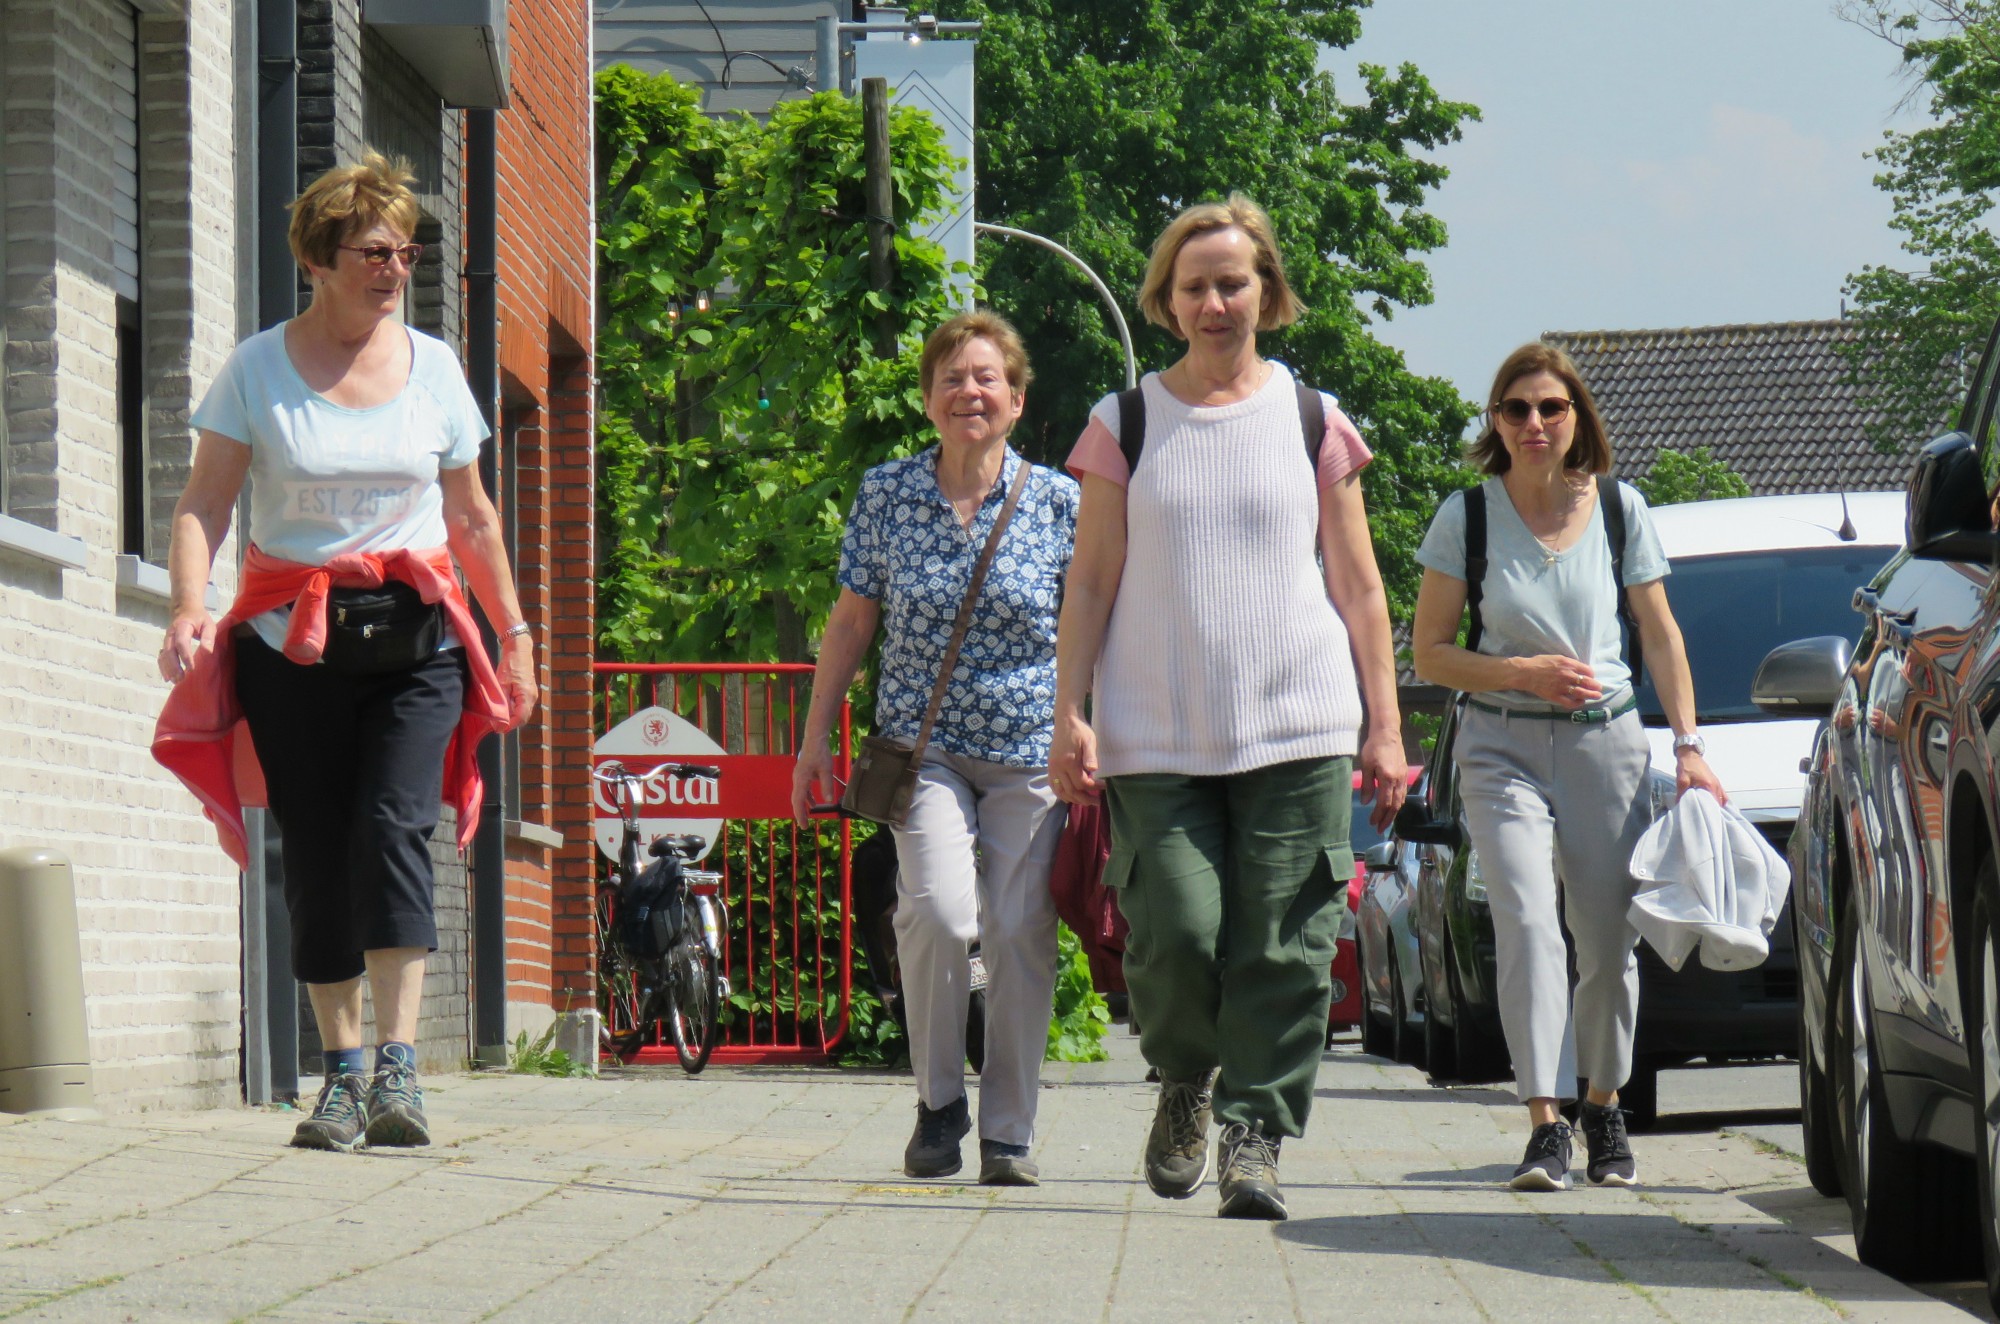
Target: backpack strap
{"points": [[1312, 422], [1132, 427], [1475, 562], [1613, 506]]}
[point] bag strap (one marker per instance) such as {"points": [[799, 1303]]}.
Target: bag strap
{"points": [[1132, 424], [1613, 505], [1131, 427], [1475, 562], [963, 625]]}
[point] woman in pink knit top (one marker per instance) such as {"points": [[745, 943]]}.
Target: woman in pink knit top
{"points": [[1227, 665]]}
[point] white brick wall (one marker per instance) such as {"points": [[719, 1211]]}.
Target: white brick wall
{"points": [[157, 901]]}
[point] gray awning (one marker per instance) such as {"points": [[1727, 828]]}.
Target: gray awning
{"points": [[459, 46]]}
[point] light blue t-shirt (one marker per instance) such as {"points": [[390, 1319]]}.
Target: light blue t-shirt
{"points": [[1534, 602], [326, 479]]}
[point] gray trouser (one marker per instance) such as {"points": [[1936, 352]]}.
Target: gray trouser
{"points": [[1555, 809], [973, 862]]}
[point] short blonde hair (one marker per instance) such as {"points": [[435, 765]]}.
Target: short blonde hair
{"points": [[1281, 306], [954, 334], [349, 199]]}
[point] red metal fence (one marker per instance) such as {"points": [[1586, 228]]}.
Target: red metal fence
{"points": [[788, 953]]}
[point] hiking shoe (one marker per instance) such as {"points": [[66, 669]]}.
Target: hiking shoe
{"points": [[396, 1107], [1611, 1162], [337, 1120], [1177, 1146], [933, 1148], [1249, 1180], [1545, 1167], [1006, 1165]]}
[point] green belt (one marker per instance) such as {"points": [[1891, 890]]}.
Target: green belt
{"points": [[1582, 716]]}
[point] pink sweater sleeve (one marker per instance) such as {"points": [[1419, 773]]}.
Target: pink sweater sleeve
{"points": [[1340, 454], [1096, 452]]}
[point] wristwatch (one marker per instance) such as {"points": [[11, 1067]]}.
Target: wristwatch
{"points": [[517, 628], [1692, 740]]}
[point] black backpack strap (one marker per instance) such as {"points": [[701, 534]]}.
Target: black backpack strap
{"points": [[1613, 505], [1312, 421], [1132, 427], [1475, 561]]}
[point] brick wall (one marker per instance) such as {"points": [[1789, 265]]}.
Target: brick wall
{"points": [[157, 901], [546, 270]]}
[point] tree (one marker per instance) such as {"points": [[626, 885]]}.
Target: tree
{"points": [[741, 394], [1100, 119], [1923, 327], [1678, 476]]}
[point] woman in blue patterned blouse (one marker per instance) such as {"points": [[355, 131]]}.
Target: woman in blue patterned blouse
{"points": [[974, 854]]}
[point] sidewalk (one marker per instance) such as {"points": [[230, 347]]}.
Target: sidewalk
{"points": [[758, 1194]]}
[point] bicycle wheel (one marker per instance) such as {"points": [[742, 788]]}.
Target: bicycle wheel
{"points": [[623, 1030], [694, 991]]}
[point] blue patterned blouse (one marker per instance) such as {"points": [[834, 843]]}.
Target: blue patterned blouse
{"points": [[906, 550]]}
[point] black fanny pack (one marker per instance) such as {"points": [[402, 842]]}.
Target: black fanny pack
{"points": [[370, 631]]}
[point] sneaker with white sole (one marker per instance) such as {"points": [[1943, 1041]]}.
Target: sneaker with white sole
{"points": [[1545, 1166], [1610, 1161]]}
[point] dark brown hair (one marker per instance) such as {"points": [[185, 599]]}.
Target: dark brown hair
{"points": [[1590, 450]]}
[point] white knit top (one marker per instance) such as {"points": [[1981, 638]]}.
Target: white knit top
{"points": [[1223, 652]]}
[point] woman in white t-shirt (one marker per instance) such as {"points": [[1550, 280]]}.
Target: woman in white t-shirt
{"points": [[1552, 762], [349, 652]]}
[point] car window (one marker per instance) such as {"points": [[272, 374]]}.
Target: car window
{"points": [[1361, 834], [1734, 609]]}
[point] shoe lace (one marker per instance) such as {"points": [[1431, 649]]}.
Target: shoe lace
{"points": [[1249, 1153], [1183, 1102], [397, 1083], [1548, 1140], [1606, 1134], [340, 1098], [933, 1125]]}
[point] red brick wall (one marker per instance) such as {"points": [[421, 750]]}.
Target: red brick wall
{"points": [[546, 265]]}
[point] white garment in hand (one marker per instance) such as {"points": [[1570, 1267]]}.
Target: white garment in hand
{"points": [[1707, 876]]}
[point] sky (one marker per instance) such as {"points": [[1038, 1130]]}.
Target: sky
{"points": [[1640, 164]]}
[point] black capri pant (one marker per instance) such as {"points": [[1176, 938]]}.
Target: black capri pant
{"points": [[354, 766]]}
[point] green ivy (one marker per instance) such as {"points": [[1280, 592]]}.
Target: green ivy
{"points": [[731, 439]]}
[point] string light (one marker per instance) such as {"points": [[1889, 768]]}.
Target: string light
{"points": [[701, 301]]}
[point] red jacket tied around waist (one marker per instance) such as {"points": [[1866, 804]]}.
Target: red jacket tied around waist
{"points": [[201, 736]]}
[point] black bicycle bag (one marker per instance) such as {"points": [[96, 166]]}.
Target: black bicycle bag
{"points": [[648, 918]]}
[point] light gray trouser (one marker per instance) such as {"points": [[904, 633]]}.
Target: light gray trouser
{"points": [[973, 862], [1555, 808]]}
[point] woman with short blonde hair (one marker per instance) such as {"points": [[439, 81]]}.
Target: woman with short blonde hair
{"points": [[349, 662]]}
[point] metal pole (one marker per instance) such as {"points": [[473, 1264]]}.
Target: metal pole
{"points": [[1103, 291], [879, 193], [826, 54]]}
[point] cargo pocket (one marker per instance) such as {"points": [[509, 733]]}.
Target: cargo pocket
{"points": [[1322, 904]]}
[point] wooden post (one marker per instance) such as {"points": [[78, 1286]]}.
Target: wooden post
{"points": [[879, 193]]}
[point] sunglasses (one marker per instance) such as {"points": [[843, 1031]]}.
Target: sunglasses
{"points": [[1515, 411], [378, 255]]}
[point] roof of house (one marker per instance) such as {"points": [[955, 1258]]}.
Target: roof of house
{"points": [[1771, 400]]}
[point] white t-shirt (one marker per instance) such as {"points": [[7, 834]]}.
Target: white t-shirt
{"points": [[326, 479]]}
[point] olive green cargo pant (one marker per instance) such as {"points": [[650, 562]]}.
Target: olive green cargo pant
{"points": [[1234, 887]]}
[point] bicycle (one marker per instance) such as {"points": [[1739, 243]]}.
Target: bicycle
{"points": [[659, 933]]}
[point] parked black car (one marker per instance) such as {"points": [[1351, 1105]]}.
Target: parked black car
{"points": [[1896, 900]]}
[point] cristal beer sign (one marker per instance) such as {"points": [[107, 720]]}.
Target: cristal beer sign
{"points": [[642, 742]]}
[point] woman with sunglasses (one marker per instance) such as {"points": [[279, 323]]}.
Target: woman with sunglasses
{"points": [[1552, 760], [359, 435]]}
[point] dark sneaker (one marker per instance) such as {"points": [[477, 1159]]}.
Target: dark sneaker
{"points": [[1249, 1182], [933, 1148], [337, 1120], [1006, 1165], [1611, 1162], [1177, 1146], [396, 1107], [1545, 1167]]}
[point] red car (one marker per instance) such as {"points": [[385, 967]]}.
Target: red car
{"points": [[1345, 1011]]}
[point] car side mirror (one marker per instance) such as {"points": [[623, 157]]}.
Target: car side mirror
{"points": [[1802, 678], [1379, 858], [1949, 518], [1414, 823]]}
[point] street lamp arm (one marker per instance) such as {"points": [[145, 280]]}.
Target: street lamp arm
{"points": [[1103, 291]]}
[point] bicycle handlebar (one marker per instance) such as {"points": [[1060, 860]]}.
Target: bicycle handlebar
{"points": [[615, 772]]}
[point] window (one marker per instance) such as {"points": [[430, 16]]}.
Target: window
{"points": [[134, 510]]}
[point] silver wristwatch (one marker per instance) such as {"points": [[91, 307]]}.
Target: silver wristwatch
{"points": [[1692, 740], [517, 628]]}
